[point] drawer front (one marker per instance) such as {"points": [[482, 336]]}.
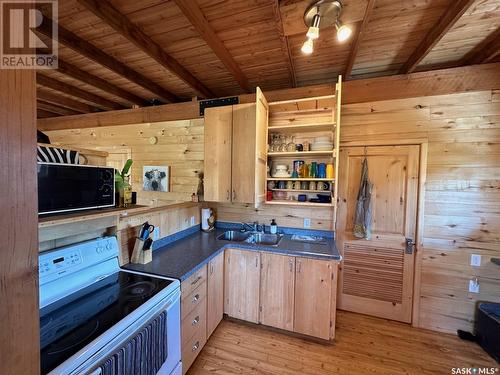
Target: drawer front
{"points": [[192, 348], [193, 281], [191, 301], [194, 322]]}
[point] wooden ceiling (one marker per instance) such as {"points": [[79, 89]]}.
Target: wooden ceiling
{"points": [[117, 54]]}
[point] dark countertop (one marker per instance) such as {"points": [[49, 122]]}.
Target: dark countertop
{"points": [[183, 257]]}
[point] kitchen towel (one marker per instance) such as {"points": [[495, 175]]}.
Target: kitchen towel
{"points": [[363, 215]]}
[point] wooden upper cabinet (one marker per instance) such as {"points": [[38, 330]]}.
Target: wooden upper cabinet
{"points": [[277, 290], [242, 284], [313, 297], [235, 152], [215, 293], [218, 146]]}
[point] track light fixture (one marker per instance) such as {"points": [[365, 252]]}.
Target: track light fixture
{"points": [[325, 13]]}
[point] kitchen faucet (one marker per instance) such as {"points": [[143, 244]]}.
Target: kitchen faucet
{"points": [[254, 227]]}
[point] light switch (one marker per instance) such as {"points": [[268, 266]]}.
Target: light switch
{"points": [[473, 286], [307, 223], [475, 260]]}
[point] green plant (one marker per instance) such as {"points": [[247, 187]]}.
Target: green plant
{"points": [[120, 176]]}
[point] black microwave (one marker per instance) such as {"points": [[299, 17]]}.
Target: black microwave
{"points": [[71, 187]]}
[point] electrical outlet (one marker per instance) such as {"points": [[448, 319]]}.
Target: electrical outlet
{"points": [[156, 234], [473, 286], [475, 260], [193, 221], [307, 223]]}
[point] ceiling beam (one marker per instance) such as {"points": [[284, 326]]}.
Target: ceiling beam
{"points": [[357, 41], [81, 75], [56, 109], [438, 82], [452, 14], [285, 45], [93, 53], [193, 13], [41, 113], [64, 101], [76, 92], [485, 51], [109, 14]]}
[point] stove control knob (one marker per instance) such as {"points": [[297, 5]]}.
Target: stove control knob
{"points": [[109, 246], [99, 249]]}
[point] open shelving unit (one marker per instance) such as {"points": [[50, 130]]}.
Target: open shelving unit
{"points": [[305, 119]]}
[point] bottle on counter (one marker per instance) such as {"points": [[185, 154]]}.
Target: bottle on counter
{"points": [[274, 227]]}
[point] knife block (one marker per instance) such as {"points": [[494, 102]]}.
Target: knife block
{"points": [[140, 256]]}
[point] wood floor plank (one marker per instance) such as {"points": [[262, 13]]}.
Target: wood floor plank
{"points": [[364, 345]]}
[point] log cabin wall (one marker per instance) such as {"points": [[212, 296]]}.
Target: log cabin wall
{"points": [[461, 207], [179, 145]]}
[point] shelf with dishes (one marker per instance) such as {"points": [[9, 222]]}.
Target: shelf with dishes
{"points": [[299, 128], [296, 203], [301, 179], [302, 153], [300, 190]]}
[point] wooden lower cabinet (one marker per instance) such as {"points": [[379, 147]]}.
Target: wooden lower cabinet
{"points": [[313, 297], [277, 290], [202, 306], [215, 287], [242, 284]]}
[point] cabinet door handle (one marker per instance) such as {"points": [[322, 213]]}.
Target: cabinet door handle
{"points": [[196, 281], [196, 298], [300, 266], [195, 346], [196, 320], [211, 269], [228, 198], [290, 264], [256, 262], [234, 194]]}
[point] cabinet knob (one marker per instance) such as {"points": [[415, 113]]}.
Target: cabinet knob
{"points": [[196, 298], [196, 320]]}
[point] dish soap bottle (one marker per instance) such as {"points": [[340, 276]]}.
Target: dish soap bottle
{"points": [[274, 227]]}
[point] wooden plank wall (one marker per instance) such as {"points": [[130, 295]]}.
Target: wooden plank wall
{"points": [[19, 318], [462, 193], [180, 146]]}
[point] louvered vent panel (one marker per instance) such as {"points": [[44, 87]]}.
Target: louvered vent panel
{"points": [[373, 272]]}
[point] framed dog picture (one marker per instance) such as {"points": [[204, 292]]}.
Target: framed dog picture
{"points": [[155, 178]]}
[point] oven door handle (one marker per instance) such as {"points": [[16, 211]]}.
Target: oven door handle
{"points": [[97, 371]]}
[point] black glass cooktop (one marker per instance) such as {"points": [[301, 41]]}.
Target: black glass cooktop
{"points": [[68, 325]]}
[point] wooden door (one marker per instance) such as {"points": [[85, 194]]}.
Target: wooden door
{"points": [[277, 289], [242, 284], [218, 145], [376, 275], [215, 293], [313, 296], [249, 151]]}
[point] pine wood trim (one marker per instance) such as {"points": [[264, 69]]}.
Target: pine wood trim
{"points": [[358, 39], [76, 92], [454, 12], [193, 13], [109, 14], [438, 82], [93, 53], [74, 72]]}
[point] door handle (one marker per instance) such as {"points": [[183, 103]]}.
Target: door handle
{"points": [[228, 197], [234, 194], [409, 246]]}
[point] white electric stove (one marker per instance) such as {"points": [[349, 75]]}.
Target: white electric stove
{"points": [[98, 319]]}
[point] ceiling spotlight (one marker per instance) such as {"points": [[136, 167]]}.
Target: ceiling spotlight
{"points": [[328, 13], [313, 32], [308, 47], [343, 32]]}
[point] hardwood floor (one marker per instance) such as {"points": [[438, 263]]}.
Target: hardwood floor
{"points": [[364, 345]]}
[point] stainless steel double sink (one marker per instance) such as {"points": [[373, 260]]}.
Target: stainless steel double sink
{"points": [[257, 238]]}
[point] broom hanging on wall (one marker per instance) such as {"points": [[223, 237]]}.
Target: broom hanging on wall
{"points": [[363, 216]]}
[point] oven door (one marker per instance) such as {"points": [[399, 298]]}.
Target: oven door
{"points": [[170, 309]]}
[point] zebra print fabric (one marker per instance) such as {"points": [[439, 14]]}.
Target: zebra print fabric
{"points": [[57, 155]]}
